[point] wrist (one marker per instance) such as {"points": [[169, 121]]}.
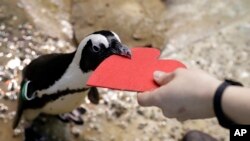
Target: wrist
{"points": [[223, 119], [212, 89]]}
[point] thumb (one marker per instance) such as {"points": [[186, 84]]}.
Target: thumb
{"points": [[146, 98], [162, 78]]}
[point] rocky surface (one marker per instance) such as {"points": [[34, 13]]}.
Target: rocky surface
{"points": [[137, 22], [208, 34]]}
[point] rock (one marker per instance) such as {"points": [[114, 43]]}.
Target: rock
{"points": [[48, 128], [135, 21], [198, 136], [51, 17]]}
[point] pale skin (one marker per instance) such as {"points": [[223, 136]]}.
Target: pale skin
{"points": [[188, 94]]}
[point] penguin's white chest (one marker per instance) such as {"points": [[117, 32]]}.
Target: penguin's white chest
{"points": [[65, 103]]}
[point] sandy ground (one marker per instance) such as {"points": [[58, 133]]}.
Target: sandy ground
{"points": [[208, 34]]}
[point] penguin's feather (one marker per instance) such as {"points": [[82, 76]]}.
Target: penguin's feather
{"points": [[21, 102], [46, 69]]}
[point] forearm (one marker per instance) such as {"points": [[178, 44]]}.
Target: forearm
{"points": [[236, 104], [195, 98]]}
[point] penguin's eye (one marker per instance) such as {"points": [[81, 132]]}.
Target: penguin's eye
{"points": [[96, 48]]}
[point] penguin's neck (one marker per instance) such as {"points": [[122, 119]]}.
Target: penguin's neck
{"points": [[77, 56], [78, 52], [82, 59]]}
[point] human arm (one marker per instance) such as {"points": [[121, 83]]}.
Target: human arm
{"points": [[236, 104], [188, 94]]}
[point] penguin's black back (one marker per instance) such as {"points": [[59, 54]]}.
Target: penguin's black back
{"points": [[46, 69], [42, 72]]}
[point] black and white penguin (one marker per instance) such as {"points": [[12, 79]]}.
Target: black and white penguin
{"points": [[54, 83]]}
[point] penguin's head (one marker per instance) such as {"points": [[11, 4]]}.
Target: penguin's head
{"points": [[99, 45]]}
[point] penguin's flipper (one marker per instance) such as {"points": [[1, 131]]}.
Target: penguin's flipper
{"points": [[26, 94], [93, 95]]}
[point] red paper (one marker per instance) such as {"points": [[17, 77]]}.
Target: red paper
{"points": [[135, 74]]}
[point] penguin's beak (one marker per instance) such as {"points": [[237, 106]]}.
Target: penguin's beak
{"points": [[122, 50]]}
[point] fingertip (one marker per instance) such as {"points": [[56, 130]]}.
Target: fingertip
{"points": [[144, 99], [140, 98], [158, 74], [161, 77], [158, 77]]}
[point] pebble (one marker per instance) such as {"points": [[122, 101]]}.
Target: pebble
{"points": [[17, 132], [94, 127], [10, 96], [3, 108], [122, 124], [12, 85], [141, 126], [75, 131]]}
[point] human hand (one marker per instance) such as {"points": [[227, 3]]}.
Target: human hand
{"points": [[183, 94]]}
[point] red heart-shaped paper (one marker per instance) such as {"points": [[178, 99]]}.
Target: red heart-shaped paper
{"points": [[135, 74]]}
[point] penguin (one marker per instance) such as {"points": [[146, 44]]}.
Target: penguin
{"points": [[54, 84]]}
